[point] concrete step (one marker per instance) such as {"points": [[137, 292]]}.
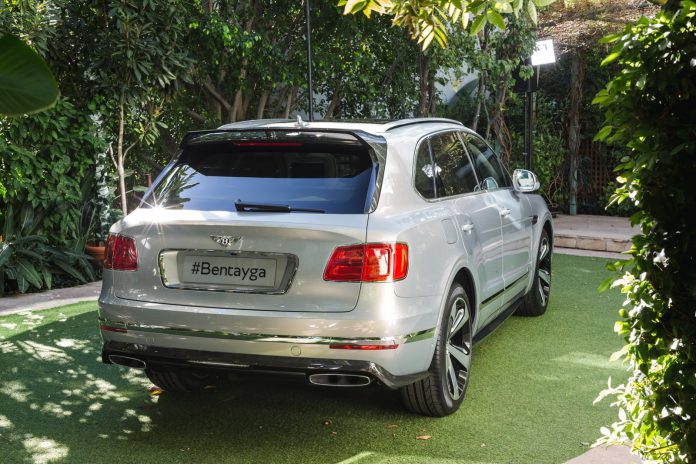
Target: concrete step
{"points": [[597, 233], [587, 242]]}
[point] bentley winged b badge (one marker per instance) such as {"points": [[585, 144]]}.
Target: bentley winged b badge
{"points": [[225, 240]]}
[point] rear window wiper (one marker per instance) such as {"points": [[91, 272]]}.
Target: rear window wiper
{"points": [[261, 208]]}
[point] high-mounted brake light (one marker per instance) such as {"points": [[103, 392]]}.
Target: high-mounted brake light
{"points": [[120, 254], [371, 262]]}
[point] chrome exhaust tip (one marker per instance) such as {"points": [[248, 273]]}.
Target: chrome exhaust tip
{"points": [[339, 380], [127, 361]]}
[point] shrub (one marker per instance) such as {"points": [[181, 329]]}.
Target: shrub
{"points": [[44, 161], [651, 108], [28, 260], [46, 180]]}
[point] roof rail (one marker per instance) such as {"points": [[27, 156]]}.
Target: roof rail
{"points": [[407, 122]]}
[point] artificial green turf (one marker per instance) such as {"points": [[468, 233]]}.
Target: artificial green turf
{"points": [[529, 400]]}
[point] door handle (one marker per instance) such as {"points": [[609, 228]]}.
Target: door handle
{"points": [[467, 228], [505, 212]]}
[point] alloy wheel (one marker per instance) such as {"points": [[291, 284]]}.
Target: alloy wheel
{"points": [[458, 358], [544, 271]]}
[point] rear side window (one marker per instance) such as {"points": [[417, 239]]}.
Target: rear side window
{"points": [[212, 176], [454, 174], [424, 182], [488, 166]]}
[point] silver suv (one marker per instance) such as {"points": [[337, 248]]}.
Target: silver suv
{"points": [[347, 252]]}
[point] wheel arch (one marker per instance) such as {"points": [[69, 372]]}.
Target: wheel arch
{"points": [[465, 278], [549, 230]]}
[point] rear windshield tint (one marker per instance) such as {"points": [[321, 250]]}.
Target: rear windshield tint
{"points": [[212, 176]]}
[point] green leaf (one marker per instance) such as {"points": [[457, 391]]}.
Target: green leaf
{"points": [[502, 7], [496, 19], [541, 3], [22, 284], [465, 20], [478, 24], [611, 57], [6, 252], [603, 133], [532, 12], [606, 284], [47, 277], [27, 270], [70, 270], [26, 83], [8, 228], [353, 6], [610, 38]]}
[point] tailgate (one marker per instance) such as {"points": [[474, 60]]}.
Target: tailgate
{"points": [[254, 261]]}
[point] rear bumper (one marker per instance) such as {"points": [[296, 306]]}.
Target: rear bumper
{"points": [[187, 336], [176, 358]]}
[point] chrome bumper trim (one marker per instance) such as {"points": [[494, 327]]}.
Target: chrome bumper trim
{"points": [[251, 337]]}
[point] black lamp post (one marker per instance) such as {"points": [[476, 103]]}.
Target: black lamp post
{"points": [[543, 54]]}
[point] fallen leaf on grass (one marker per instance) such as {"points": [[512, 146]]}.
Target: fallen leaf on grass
{"points": [[483, 445], [423, 437]]}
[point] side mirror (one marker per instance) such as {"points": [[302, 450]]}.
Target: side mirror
{"points": [[525, 181]]}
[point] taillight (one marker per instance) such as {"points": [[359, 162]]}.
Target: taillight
{"points": [[371, 262], [120, 253]]}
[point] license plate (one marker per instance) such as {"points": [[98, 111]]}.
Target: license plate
{"points": [[229, 270]]}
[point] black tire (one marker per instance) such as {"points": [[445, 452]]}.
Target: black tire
{"points": [[536, 300], [180, 381], [442, 392]]}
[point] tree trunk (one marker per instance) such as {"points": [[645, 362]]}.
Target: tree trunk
{"points": [[217, 110], [215, 93], [479, 101], [245, 108], [262, 104], [432, 97], [120, 160], [237, 105], [424, 71], [500, 129], [482, 40], [488, 119], [292, 93], [333, 104], [577, 74]]}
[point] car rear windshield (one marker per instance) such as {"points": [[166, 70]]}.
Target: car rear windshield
{"points": [[334, 178]]}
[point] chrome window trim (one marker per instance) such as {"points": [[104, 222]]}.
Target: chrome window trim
{"points": [[415, 156], [281, 289], [462, 135]]}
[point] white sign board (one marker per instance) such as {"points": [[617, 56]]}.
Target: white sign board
{"points": [[543, 53]]}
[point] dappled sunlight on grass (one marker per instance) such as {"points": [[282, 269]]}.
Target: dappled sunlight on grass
{"points": [[44, 450], [59, 403], [586, 359]]}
